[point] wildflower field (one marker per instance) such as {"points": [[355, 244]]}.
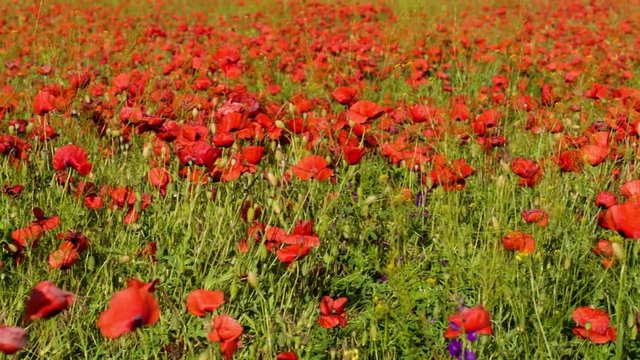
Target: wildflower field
{"points": [[343, 179]]}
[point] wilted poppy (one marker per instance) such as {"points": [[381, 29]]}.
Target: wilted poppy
{"points": [[201, 301], [46, 300], [130, 309]]}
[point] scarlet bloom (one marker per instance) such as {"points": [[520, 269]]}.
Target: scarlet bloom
{"points": [[537, 216], [332, 312], [46, 300], [606, 199], [312, 167], [63, 258], [363, 110], [520, 242], [475, 320], [290, 355], [12, 339], [227, 331], [159, 178], [593, 324], [130, 309], [71, 156], [529, 171], [623, 219], [631, 189], [253, 154], [43, 103], [200, 302], [604, 249], [344, 95], [353, 154]]}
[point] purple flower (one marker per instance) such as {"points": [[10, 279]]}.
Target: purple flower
{"points": [[469, 355], [472, 336], [455, 348]]}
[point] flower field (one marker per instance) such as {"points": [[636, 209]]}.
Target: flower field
{"points": [[341, 179]]}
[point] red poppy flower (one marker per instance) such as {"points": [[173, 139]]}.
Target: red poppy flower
{"points": [[289, 254], [570, 161], [604, 249], [12, 339], [159, 178], [45, 300], [520, 242], [72, 156], [353, 154], [28, 235], [344, 95], [622, 218], [253, 154], [475, 320], [364, 110], [290, 355], [12, 190], [606, 199], [332, 312], [529, 171], [130, 309], [593, 324], [538, 216], [312, 167], [595, 154], [43, 102], [227, 331], [63, 258], [630, 189], [200, 302]]}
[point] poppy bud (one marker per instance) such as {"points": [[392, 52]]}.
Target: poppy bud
{"points": [[278, 155], [233, 290], [618, 250], [373, 332], [272, 179], [280, 124], [12, 130], [370, 199], [251, 212], [252, 279], [495, 223], [29, 127], [123, 259], [194, 113]]}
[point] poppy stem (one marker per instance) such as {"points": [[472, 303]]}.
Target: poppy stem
{"points": [[534, 290], [619, 305]]}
